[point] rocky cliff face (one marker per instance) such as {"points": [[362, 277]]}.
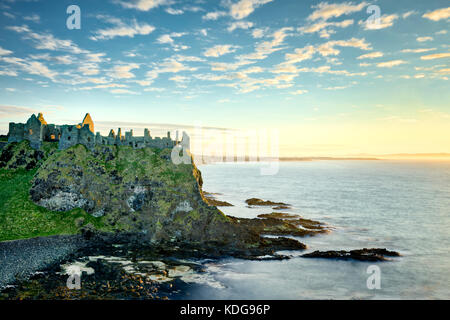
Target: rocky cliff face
{"points": [[138, 196], [135, 190]]}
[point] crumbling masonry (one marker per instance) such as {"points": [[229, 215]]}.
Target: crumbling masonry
{"points": [[36, 130]]}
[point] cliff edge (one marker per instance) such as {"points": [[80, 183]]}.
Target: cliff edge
{"points": [[123, 193]]}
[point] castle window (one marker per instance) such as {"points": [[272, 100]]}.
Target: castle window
{"points": [[89, 139], [68, 138], [131, 143], [30, 132], [70, 129], [52, 137]]}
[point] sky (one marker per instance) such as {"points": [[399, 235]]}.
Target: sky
{"points": [[327, 78]]}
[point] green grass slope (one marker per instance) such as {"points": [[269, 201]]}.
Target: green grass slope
{"points": [[19, 217]]}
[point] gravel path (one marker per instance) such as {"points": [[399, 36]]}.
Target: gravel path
{"points": [[23, 257]]}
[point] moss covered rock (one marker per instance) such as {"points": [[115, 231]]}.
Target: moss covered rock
{"points": [[135, 190], [22, 156]]}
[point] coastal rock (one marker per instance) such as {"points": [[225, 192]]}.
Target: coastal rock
{"points": [[211, 200], [272, 225], [281, 207], [260, 202], [374, 254], [279, 215]]}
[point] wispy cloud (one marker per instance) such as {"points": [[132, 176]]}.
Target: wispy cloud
{"points": [[169, 39], [4, 52], [390, 64], [325, 11], [424, 39], [121, 29], [329, 48], [371, 55], [33, 18], [123, 91], [46, 41], [240, 25], [298, 92], [219, 50], [31, 67], [214, 15], [174, 11], [243, 8], [12, 111], [123, 71], [438, 14], [325, 28], [143, 5], [436, 56], [420, 50], [265, 48], [385, 21]]}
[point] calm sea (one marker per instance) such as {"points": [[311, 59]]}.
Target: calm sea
{"points": [[398, 205]]}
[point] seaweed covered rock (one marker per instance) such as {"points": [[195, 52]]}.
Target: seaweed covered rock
{"points": [[374, 254], [22, 156], [260, 202], [282, 225], [136, 190]]}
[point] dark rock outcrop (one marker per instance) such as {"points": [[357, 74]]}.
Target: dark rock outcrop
{"points": [[211, 200], [260, 202], [282, 227], [365, 254]]}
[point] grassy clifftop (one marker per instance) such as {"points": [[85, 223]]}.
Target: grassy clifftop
{"points": [[19, 216]]}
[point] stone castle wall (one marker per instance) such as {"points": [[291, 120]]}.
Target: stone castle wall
{"points": [[36, 130]]}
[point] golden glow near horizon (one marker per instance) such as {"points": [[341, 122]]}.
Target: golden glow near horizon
{"points": [[387, 136], [338, 138]]}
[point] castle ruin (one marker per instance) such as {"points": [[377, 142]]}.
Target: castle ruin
{"points": [[36, 130]]}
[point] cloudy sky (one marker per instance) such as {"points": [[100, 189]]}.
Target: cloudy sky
{"points": [[333, 78]]}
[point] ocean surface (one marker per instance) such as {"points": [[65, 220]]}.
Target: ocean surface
{"points": [[398, 205]]}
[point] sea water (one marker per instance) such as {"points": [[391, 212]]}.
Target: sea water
{"points": [[399, 205]]}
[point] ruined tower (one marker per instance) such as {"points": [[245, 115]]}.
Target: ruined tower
{"points": [[87, 121], [33, 130]]}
